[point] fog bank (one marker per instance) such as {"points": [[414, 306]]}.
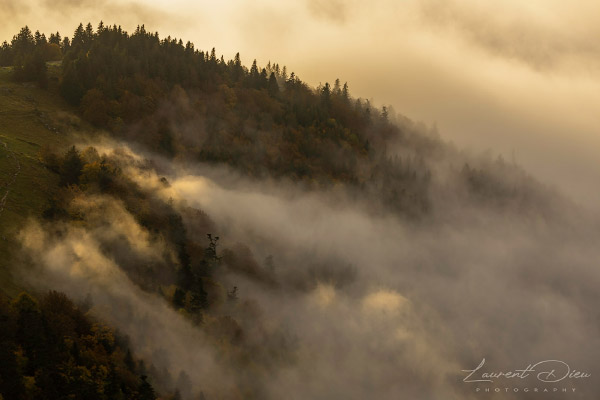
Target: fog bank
{"points": [[364, 305]]}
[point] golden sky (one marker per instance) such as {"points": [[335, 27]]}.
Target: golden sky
{"points": [[520, 76]]}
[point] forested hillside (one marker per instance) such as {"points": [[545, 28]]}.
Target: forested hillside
{"points": [[187, 103], [134, 116]]}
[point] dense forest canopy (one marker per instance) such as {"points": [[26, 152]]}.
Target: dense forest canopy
{"points": [[187, 103], [49, 349], [182, 101]]}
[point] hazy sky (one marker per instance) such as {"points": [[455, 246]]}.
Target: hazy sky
{"points": [[520, 76]]}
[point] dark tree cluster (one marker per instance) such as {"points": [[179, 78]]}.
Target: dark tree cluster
{"points": [[28, 53], [50, 349]]}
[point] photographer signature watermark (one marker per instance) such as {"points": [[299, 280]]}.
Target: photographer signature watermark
{"points": [[553, 375], [549, 371]]}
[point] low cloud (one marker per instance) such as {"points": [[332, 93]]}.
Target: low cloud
{"points": [[76, 264], [422, 302]]}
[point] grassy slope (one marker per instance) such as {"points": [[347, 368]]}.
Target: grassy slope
{"points": [[29, 119]]}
